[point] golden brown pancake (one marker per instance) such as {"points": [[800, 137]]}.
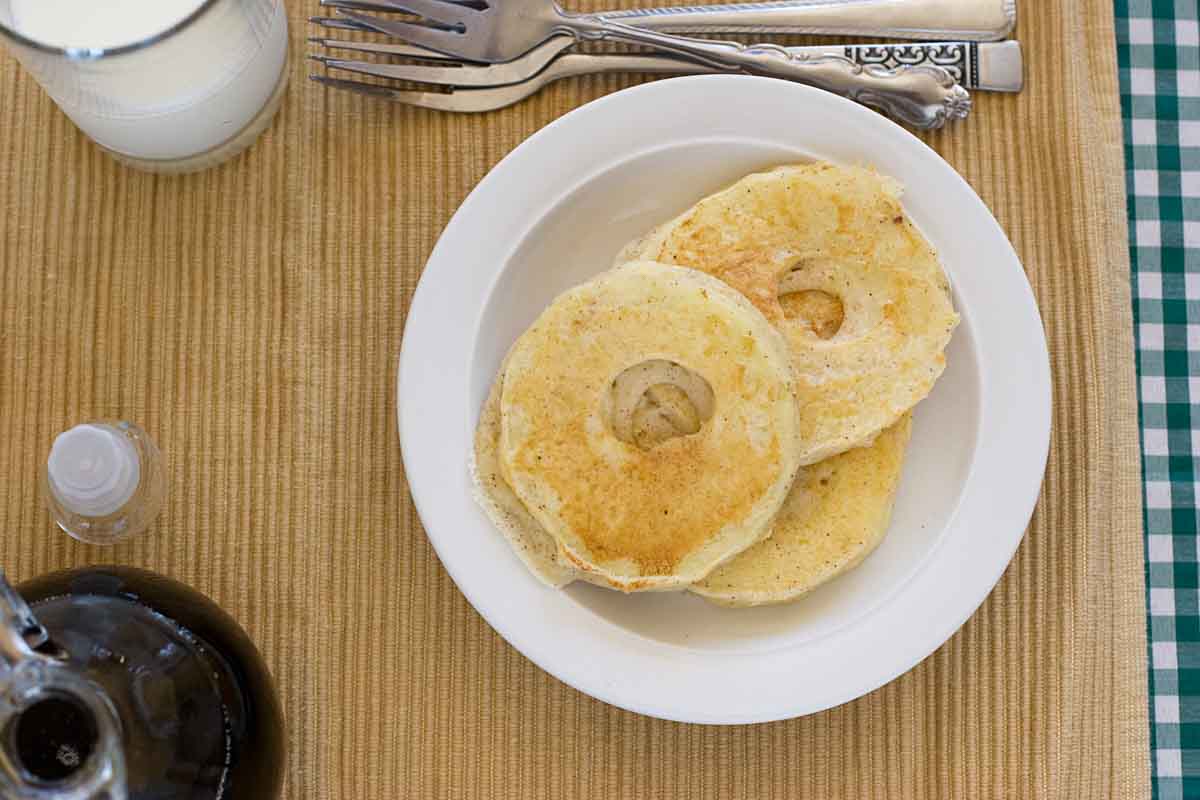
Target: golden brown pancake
{"points": [[528, 539], [836, 513], [828, 255], [648, 425]]}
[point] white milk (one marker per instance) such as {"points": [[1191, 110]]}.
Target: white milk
{"points": [[89, 23], [191, 92]]}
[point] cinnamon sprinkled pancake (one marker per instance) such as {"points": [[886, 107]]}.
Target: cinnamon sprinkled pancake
{"points": [[648, 424], [837, 513], [528, 539], [829, 257]]}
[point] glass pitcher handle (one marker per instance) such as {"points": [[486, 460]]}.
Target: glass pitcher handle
{"points": [[22, 637]]}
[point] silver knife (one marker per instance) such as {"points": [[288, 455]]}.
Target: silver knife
{"points": [[971, 20], [966, 20]]}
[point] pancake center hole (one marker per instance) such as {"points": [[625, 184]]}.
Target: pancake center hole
{"points": [[821, 312], [657, 400], [54, 738]]}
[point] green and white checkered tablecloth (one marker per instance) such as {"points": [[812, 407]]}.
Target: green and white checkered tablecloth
{"points": [[1158, 45]]}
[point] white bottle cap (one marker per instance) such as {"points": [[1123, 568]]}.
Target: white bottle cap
{"points": [[93, 470]]}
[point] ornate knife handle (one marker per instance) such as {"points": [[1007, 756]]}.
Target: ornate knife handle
{"points": [[923, 96], [960, 59]]}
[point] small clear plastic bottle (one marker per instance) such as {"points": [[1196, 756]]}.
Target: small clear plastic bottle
{"points": [[104, 481]]}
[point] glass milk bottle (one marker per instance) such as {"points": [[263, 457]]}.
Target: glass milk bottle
{"points": [[162, 85], [118, 684]]}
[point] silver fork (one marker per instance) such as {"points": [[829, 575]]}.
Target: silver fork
{"points": [[490, 98], [487, 87], [989, 66], [922, 96]]}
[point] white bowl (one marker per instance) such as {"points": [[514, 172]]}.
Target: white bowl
{"points": [[554, 213]]}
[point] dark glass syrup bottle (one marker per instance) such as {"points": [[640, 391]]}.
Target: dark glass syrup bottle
{"points": [[118, 684]]}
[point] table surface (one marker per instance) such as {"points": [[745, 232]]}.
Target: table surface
{"points": [[250, 317], [1159, 51]]}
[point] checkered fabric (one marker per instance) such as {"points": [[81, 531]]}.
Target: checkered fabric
{"points": [[1158, 44]]}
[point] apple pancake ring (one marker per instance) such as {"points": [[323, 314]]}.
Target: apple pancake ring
{"points": [[828, 255], [648, 423]]}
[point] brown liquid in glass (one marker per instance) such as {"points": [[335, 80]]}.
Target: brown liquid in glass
{"points": [[198, 710]]}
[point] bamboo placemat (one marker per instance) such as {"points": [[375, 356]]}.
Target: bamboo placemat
{"points": [[250, 318]]}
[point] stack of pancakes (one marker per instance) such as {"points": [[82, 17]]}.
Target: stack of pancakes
{"points": [[726, 410]]}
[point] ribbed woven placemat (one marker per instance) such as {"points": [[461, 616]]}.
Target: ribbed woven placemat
{"points": [[250, 318]]}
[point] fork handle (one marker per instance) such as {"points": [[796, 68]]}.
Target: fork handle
{"points": [[923, 96], [971, 20]]}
